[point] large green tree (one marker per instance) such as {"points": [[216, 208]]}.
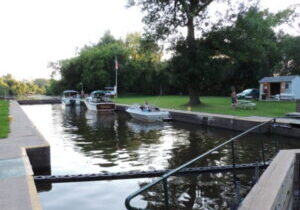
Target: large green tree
{"points": [[144, 71], [165, 18], [18, 88], [241, 54], [140, 68], [250, 46], [290, 55]]}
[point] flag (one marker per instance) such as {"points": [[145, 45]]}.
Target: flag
{"points": [[116, 64]]}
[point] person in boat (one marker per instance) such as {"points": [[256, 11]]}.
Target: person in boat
{"points": [[145, 107], [82, 95]]}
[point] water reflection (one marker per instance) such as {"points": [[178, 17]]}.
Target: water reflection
{"points": [[144, 127], [96, 120], [89, 142]]}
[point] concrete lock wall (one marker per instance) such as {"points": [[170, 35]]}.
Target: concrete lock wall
{"points": [[289, 127], [278, 186], [213, 120]]}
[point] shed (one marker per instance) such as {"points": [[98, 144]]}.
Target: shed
{"points": [[281, 87]]}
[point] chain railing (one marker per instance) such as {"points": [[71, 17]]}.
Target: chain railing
{"points": [[164, 178]]}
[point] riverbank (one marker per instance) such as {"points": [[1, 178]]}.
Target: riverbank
{"points": [[4, 121], [216, 105]]}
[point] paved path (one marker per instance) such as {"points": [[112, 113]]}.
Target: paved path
{"points": [[17, 188]]}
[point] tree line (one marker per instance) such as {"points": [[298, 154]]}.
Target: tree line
{"points": [[12, 87], [237, 51]]}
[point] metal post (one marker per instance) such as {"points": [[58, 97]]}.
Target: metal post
{"points": [[263, 152], [275, 140], [277, 145], [166, 193], [233, 161], [256, 172], [237, 193]]}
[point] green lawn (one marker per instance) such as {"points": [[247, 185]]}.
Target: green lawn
{"points": [[219, 105], [4, 122]]}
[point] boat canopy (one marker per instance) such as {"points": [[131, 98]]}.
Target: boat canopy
{"points": [[70, 92], [99, 96], [99, 93]]}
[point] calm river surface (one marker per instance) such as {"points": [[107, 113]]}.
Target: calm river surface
{"points": [[86, 142]]}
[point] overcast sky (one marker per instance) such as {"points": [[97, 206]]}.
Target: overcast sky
{"points": [[35, 32]]}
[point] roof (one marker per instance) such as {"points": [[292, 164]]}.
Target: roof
{"points": [[70, 91], [278, 79], [98, 91]]}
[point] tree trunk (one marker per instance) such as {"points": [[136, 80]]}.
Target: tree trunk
{"points": [[194, 97], [191, 33], [191, 43]]}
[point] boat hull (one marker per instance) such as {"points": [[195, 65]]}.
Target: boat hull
{"points": [[70, 101], [148, 116], [100, 107]]}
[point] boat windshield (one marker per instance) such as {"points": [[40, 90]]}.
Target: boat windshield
{"points": [[70, 93], [100, 96], [247, 91]]}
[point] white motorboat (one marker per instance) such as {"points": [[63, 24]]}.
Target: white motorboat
{"points": [[99, 101], [148, 114], [70, 98]]}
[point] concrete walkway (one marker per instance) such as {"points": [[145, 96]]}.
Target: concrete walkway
{"points": [[24, 149]]}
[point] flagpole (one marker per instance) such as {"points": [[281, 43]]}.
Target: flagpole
{"points": [[116, 67]]}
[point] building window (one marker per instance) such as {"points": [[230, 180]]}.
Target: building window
{"points": [[286, 85]]}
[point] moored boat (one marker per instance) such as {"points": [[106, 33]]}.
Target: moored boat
{"points": [[70, 98], [147, 113], [99, 101]]}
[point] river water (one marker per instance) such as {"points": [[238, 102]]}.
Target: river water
{"points": [[86, 142]]}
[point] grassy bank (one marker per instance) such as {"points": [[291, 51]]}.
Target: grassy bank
{"points": [[4, 122], [219, 105]]}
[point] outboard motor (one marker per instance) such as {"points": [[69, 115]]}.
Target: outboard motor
{"points": [[72, 102]]}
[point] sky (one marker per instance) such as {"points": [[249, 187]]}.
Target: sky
{"points": [[35, 32]]}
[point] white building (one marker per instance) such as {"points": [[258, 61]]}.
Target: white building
{"points": [[281, 87]]}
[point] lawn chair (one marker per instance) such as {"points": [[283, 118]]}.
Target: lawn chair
{"points": [[245, 104]]}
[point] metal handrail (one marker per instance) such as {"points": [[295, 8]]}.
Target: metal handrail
{"points": [[164, 177]]}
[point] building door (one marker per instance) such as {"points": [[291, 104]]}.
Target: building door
{"points": [[275, 88]]}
